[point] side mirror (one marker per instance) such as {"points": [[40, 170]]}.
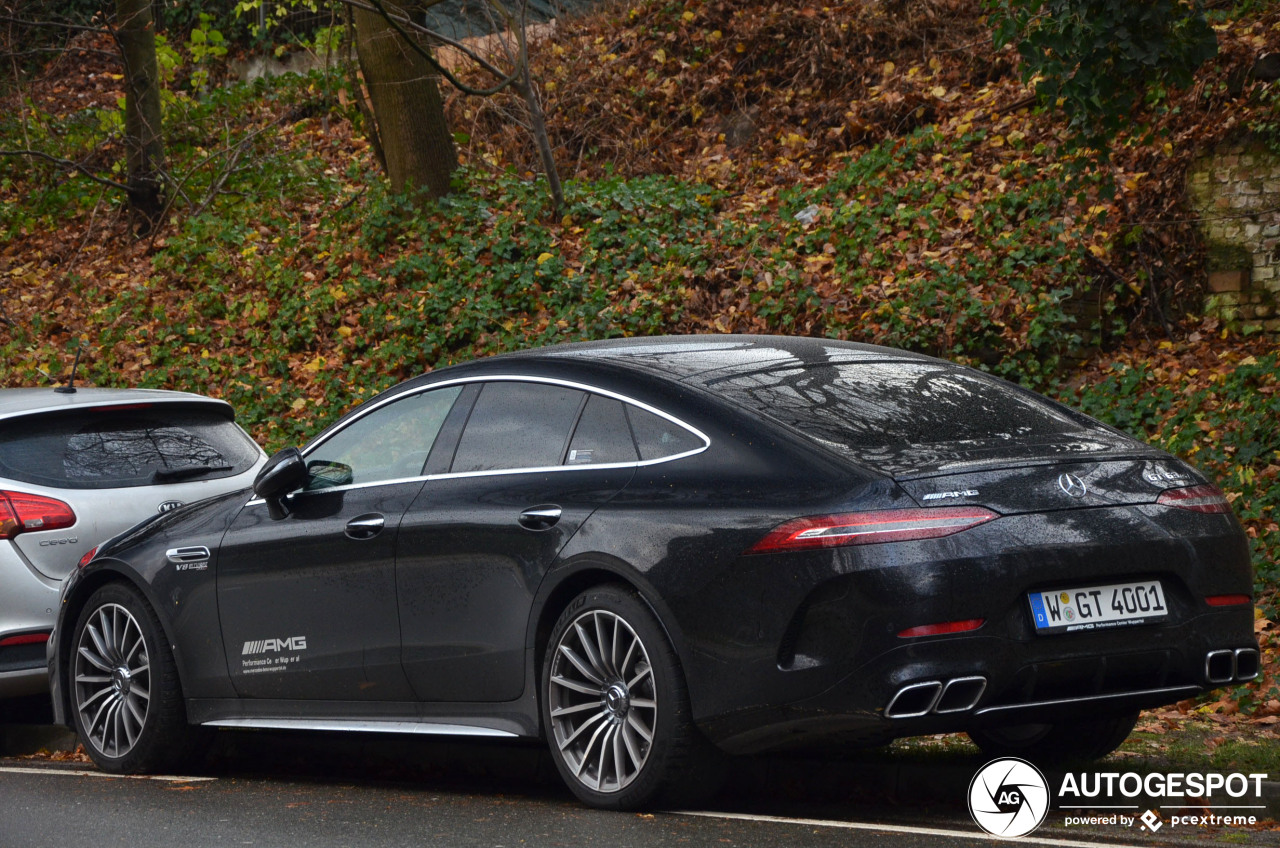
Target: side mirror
{"points": [[285, 472]]}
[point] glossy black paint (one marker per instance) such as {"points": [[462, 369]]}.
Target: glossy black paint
{"points": [[430, 598]]}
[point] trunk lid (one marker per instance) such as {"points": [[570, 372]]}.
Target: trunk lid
{"points": [[1047, 485]]}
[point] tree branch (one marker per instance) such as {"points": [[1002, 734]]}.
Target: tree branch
{"points": [[53, 25], [66, 163]]}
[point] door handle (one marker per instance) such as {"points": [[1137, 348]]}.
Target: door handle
{"points": [[540, 517], [365, 526]]}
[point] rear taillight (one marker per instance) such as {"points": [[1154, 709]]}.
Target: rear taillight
{"points": [[88, 557], [1204, 498], [21, 512], [871, 528]]}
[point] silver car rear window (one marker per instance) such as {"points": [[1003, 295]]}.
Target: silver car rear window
{"points": [[106, 448]]}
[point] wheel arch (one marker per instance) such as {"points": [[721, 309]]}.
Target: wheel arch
{"points": [[104, 572], [565, 583]]}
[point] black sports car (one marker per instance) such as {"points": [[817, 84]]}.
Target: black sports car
{"points": [[652, 551]]}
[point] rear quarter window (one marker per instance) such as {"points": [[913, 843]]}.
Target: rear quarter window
{"points": [[658, 437], [107, 449]]}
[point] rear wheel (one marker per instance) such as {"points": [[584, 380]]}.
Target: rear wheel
{"points": [[615, 704], [127, 703], [1059, 743]]}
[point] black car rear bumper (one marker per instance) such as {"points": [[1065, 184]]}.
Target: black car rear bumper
{"points": [[955, 683]]}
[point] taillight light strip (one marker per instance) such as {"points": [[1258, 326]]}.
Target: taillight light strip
{"points": [[870, 528], [1204, 498]]}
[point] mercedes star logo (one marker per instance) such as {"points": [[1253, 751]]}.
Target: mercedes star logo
{"points": [[1072, 485]]}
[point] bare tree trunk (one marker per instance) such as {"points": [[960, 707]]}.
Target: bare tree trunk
{"points": [[144, 141], [537, 118], [414, 135]]}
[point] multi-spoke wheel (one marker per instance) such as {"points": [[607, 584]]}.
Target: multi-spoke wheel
{"points": [[614, 702], [112, 680], [126, 703], [602, 698]]}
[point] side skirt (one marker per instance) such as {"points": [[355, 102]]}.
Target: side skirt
{"points": [[512, 719], [361, 726]]}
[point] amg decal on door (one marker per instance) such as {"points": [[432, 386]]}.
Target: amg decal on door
{"points": [[265, 664], [266, 646]]}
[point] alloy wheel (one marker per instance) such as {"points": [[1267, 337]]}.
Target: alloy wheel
{"points": [[112, 680], [602, 700]]}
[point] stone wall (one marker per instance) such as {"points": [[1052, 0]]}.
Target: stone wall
{"points": [[1235, 192]]}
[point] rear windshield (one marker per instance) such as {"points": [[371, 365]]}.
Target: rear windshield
{"points": [[884, 410], [105, 448]]}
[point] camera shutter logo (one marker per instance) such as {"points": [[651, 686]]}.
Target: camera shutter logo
{"points": [[1008, 798]]}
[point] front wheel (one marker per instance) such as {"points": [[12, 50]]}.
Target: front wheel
{"points": [[615, 704], [1057, 744], [127, 703]]}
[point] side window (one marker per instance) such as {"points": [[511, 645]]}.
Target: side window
{"points": [[390, 443], [517, 425], [602, 435], [656, 437]]}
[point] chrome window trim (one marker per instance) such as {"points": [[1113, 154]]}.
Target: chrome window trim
{"points": [[543, 469]]}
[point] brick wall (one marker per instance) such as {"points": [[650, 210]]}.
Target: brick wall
{"points": [[1236, 194]]}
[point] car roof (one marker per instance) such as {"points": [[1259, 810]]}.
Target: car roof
{"points": [[703, 360], [16, 402]]}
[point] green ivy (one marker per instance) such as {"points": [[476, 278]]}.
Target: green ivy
{"points": [[1097, 59], [1228, 430]]}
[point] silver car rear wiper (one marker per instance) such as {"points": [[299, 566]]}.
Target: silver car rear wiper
{"points": [[168, 475]]}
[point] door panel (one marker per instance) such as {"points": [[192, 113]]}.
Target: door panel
{"points": [[467, 569], [308, 603]]}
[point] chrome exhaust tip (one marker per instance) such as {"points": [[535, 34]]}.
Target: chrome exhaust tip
{"points": [[960, 695], [1247, 664], [1220, 666], [915, 700]]}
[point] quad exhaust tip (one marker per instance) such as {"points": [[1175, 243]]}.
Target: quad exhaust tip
{"points": [[957, 695], [1227, 666]]}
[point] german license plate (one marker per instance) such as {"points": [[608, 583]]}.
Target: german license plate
{"points": [[1098, 607]]}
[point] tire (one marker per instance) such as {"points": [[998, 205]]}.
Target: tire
{"points": [[1057, 744], [616, 707], [126, 699]]}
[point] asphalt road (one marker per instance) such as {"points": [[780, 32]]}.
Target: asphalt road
{"points": [[299, 791]]}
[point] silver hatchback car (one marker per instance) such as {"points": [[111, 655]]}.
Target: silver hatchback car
{"points": [[79, 466]]}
